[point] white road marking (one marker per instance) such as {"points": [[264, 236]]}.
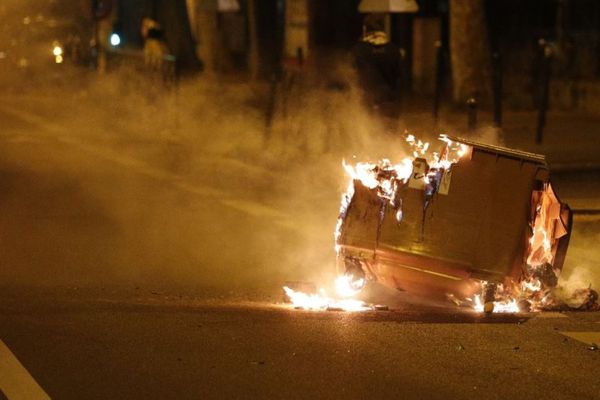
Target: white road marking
{"points": [[15, 381], [585, 337]]}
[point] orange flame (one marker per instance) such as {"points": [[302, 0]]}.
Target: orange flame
{"points": [[322, 302], [502, 306]]}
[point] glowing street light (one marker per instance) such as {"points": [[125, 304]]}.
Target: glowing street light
{"points": [[57, 51], [115, 40]]}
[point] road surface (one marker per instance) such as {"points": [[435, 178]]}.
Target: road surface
{"points": [[126, 345]]}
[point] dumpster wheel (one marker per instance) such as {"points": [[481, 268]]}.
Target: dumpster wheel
{"points": [[353, 268], [488, 296]]}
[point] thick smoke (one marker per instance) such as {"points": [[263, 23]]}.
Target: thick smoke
{"points": [[124, 180], [581, 266], [131, 182]]}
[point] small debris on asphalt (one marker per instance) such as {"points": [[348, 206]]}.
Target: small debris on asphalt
{"points": [[460, 347], [257, 362], [593, 347], [516, 348]]}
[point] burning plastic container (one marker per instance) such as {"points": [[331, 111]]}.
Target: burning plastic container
{"points": [[484, 221]]}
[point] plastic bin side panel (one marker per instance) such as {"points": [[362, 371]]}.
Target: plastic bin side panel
{"points": [[505, 203], [479, 224], [360, 226]]}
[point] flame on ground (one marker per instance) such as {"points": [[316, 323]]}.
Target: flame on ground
{"points": [[322, 302], [529, 295], [502, 306]]}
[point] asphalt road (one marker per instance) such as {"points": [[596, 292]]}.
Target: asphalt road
{"points": [[131, 346], [123, 223]]}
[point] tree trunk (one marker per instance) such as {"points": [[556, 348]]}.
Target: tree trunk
{"points": [[172, 15], [208, 41], [470, 51], [253, 56]]}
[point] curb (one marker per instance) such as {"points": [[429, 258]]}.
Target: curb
{"points": [[574, 167], [586, 211]]}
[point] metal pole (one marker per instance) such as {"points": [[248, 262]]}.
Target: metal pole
{"points": [[561, 18], [254, 57], [401, 81], [94, 46], [387, 24], [472, 105], [439, 79], [545, 93], [100, 53], [300, 56], [497, 68]]}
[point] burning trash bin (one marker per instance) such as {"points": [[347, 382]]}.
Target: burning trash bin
{"points": [[475, 221]]}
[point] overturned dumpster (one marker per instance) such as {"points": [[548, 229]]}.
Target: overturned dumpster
{"points": [[471, 220]]}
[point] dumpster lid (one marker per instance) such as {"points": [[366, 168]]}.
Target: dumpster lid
{"points": [[518, 154]]}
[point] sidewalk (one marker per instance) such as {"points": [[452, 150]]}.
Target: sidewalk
{"points": [[571, 140]]}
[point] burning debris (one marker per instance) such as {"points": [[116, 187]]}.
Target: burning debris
{"points": [[322, 302], [480, 222], [304, 296]]}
